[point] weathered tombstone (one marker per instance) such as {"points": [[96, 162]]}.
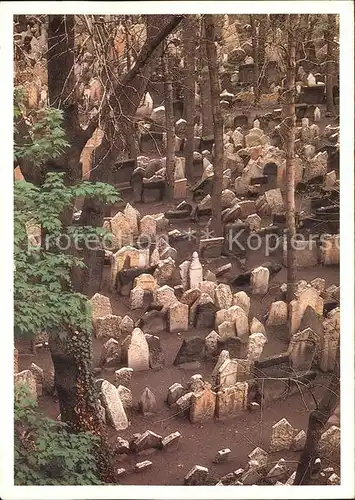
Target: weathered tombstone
{"points": [[165, 296], [171, 441], [227, 373], [101, 306], [137, 298], [146, 282], [302, 349], [329, 341], [277, 315], [259, 280], [122, 231], [257, 327], [175, 392], [111, 354], [211, 247], [224, 296], [178, 315], [202, 406], [242, 300], [126, 326], [123, 376], [255, 346], [114, 409], [138, 351], [211, 342], [125, 395], [27, 378], [108, 327], [231, 400], [197, 476], [226, 330], [329, 444], [133, 216], [147, 403], [281, 436]]}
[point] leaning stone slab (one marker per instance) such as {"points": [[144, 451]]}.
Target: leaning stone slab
{"points": [[197, 476], [113, 405]]}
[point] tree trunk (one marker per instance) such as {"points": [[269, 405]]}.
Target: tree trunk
{"points": [[189, 42], [288, 133], [217, 125], [330, 33], [254, 37], [263, 30], [316, 426], [205, 88], [78, 398], [170, 127]]}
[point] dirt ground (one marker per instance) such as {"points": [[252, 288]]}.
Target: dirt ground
{"points": [[200, 443]]}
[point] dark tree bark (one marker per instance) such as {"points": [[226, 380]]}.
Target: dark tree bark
{"points": [[189, 41], [330, 80], [288, 135], [316, 426], [217, 125], [170, 127], [78, 398], [205, 88]]}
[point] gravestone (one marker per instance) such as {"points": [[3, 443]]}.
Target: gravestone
{"points": [[138, 351], [231, 400], [114, 409]]}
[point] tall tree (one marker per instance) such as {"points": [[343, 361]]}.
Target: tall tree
{"points": [[189, 30], [330, 63], [211, 50], [288, 134], [170, 125]]}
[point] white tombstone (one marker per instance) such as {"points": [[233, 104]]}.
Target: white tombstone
{"points": [[256, 123], [138, 351], [195, 271], [317, 114], [311, 80], [259, 281], [113, 405]]}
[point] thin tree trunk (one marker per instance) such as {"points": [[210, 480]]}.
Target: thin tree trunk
{"points": [[316, 426], [330, 32], [217, 125], [189, 42], [254, 38], [170, 127], [288, 132], [205, 88], [263, 29]]}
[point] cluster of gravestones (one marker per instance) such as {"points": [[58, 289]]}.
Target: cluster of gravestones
{"points": [[261, 469], [198, 301]]}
